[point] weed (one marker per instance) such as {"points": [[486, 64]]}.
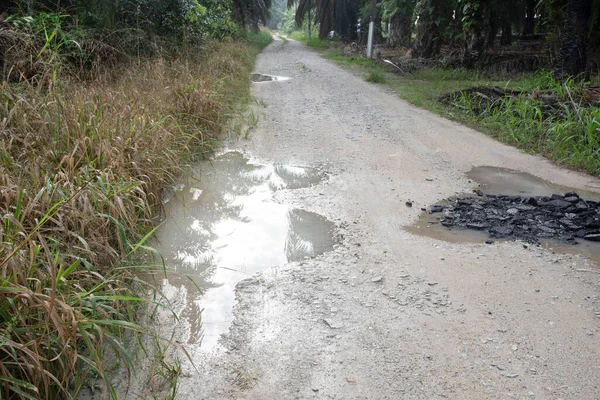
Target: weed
{"points": [[262, 103], [244, 379], [303, 67], [252, 119], [375, 77], [251, 123]]}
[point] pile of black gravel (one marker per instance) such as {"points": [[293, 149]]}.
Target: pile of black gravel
{"points": [[566, 218]]}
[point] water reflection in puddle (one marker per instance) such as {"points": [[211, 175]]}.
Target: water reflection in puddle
{"points": [[222, 226], [267, 78], [493, 180]]}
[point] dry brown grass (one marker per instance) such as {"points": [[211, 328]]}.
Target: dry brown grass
{"points": [[82, 166]]}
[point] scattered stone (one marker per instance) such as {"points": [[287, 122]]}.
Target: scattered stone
{"points": [[478, 226], [436, 208], [489, 242], [377, 279], [511, 375], [566, 218], [333, 324], [409, 203], [590, 333]]}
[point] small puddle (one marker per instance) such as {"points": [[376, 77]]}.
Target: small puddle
{"points": [[500, 181], [222, 226], [494, 180], [267, 78]]}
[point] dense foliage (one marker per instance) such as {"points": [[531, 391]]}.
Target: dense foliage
{"points": [[187, 20], [566, 27]]}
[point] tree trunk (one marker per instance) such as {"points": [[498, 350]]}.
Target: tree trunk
{"points": [[401, 28], [572, 58], [378, 32], [480, 33], [429, 40], [3, 47], [506, 38], [529, 26], [395, 32]]}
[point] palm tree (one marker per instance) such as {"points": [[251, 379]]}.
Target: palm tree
{"points": [[572, 58], [400, 15], [251, 12], [332, 15]]}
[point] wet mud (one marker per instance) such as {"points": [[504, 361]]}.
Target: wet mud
{"points": [[221, 227]]}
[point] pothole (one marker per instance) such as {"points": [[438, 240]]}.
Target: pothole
{"points": [[222, 226], [512, 205], [267, 78], [494, 180]]}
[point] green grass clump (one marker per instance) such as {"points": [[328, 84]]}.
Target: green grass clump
{"points": [[82, 167], [299, 36], [318, 43], [260, 39], [314, 41], [357, 62], [375, 77]]}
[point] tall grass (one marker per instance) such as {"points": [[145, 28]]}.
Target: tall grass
{"points": [[82, 166], [567, 131]]}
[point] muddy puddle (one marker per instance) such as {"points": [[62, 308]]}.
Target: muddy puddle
{"points": [[267, 78], [494, 180], [500, 181], [221, 227]]}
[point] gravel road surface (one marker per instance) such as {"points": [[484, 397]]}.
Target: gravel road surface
{"points": [[388, 314]]}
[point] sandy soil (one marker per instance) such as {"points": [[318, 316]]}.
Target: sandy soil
{"points": [[389, 314]]}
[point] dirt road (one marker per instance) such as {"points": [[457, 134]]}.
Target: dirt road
{"points": [[388, 314]]}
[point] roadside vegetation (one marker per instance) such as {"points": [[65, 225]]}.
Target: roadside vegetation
{"points": [[102, 104], [525, 72]]}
